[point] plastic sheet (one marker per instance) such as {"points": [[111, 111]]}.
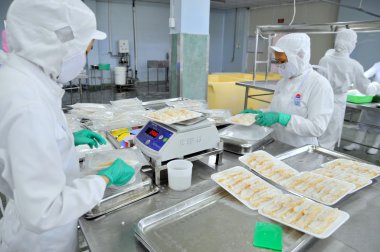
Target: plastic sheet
{"points": [[188, 104], [73, 122], [133, 102], [94, 162], [82, 150]]}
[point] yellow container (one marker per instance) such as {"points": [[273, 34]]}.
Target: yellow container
{"points": [[223, 93]]}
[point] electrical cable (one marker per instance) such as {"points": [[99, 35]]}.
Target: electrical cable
{"points": [[234, 45], [294, 13]]}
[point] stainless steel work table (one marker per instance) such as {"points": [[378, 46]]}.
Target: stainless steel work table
{"points": [[366, 106], [268, 86], [114, 232]]}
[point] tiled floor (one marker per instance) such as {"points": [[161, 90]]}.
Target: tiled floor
{"points": [[349, 133]]}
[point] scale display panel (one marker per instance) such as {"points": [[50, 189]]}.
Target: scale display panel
{"points": [[154, 136]]}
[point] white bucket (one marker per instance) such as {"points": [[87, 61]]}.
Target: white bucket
{"points": [[179, 174], [120, 75]]}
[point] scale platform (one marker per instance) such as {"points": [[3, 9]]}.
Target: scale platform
{"points": [[162, 143], [245, 139]]}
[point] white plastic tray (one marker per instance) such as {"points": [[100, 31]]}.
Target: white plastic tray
{"points": [[366, 181], [350, 187], [244, 158], [333, 227], [252, 177], [173, 120], [242, 116], [373, 167]]}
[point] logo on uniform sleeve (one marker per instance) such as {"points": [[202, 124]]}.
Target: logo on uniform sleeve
{"points": [[297, 99]]}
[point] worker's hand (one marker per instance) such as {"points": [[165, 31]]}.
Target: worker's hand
{"points": [[251, 111], [119, 173], [270, 118], [88, 137], [373, 89], [377, 88]]}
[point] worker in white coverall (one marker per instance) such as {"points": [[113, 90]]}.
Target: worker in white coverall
{"points": [[368, 118], [39, 168], [342, 72], [302, 103]]}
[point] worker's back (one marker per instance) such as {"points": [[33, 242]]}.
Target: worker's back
{"points": [[342, 72]]}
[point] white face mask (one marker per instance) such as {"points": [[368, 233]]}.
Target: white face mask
{"points": [[71, 67], [287, 70]]}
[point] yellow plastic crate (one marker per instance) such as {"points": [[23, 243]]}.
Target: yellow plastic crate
{"points": [[223, 93]]}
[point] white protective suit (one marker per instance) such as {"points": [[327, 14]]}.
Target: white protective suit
{"points": [[307, 96], [3, 57], [342, 72], [38, 164]]}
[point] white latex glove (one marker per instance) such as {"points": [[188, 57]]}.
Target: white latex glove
{"points": [[373, 89]]}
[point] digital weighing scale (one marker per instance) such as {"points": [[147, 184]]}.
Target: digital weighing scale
{"points": [[161, 143]]}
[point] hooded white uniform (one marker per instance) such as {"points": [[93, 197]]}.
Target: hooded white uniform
{"points": [[38, 164], [342, 72], [307, 97]]}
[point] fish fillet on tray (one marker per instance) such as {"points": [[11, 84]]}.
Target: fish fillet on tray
{"points": [[353, 167], [242, 119], [268, 166], [249, 189], [320, 188], [172, 115], [304, 215], [358, 181]]}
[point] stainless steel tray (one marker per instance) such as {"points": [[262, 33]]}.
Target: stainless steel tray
{"points": [[307, 158], [211, 221], [114, 199], [311, 157]]}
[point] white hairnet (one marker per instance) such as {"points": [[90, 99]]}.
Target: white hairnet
{"points": [[345, 41], [47, 31], [297, 49]]}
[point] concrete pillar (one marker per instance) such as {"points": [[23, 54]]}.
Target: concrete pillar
{"points": [[189, 29]]}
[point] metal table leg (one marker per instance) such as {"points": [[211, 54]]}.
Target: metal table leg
{"points": [[148, 79], [157, 79]]}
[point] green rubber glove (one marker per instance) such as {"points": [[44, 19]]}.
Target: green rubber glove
{"points": [[251, 111], [270, 118], [119, 173], [88, 137]]}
